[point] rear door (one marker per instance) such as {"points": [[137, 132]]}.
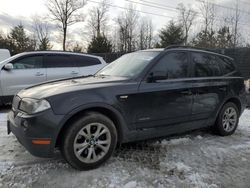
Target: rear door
{"points": [[27, 71], [209, 87], [88, 65], [60, 66]]}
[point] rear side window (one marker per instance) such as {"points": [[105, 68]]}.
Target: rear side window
{"points": [[31, 62], [226, 65], [205, 65], [174, 65], [53, 61], [84, 61]]}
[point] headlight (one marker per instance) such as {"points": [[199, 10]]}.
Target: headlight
{"points": [[32, 106]]}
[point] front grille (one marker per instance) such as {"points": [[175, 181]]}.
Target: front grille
{"points": [[15, 103]]}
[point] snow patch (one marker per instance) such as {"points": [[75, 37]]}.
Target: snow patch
{"points": [[131, 184], [187, 174], [245, 145], [197, 181], [176, 141], [199, 137]]}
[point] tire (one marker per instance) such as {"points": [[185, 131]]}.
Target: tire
{"points": [[89, 141], [227, 120]]}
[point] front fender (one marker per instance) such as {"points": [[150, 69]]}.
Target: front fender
{"points": [[121, 126]]}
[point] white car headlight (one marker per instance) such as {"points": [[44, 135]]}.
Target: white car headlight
{"points": [[32, 106]]}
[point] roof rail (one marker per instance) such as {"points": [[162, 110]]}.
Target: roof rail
{"points": [[197, 48], [182, 46]]}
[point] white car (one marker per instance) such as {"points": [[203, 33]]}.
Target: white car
{"points": [[4, 54], [30, 68]]}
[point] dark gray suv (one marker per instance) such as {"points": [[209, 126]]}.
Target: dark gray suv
{"points": [[142, 95]]}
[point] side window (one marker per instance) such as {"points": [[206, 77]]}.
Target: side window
{"points": [[226, 65], [31, 62], [172, 65], [84, 61], [53, 61], [205, 65]]}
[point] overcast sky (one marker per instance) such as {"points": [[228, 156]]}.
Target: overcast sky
{"points": [[13, 12]]}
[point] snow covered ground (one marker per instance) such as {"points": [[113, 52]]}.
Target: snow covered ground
{"points": [[198, 159]]}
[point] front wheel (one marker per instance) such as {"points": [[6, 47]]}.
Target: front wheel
{"points": [[227, 120], [89, 141]]}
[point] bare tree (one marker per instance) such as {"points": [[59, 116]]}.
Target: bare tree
{"points": [[41, 30], [65, 12], [186, 17], [236, 20], [98, 19], [208, 12], [127, 24], [146, 34], [233, 22]]}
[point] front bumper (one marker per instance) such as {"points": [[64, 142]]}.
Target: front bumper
{"points": [[29, 129]]}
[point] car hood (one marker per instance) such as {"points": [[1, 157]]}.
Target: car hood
{"points": [[52, 88]]}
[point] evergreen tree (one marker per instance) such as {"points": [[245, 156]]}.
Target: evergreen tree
{"points": [[171, 35], [225, 38], [3, 41], [18, 40], [205, 39], [44, 44], [100, 44]]}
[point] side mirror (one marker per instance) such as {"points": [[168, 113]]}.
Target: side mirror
{"points": [[8, 66], [157, 75]]}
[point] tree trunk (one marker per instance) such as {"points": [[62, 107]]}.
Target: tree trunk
{"points": [[64, 38], [98, 24]]}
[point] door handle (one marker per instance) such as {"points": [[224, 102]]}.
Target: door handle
{"points": [[39, 74], [74, 73]]}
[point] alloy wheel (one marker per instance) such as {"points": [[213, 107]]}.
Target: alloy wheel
{"points": [[92, 142], [229, 119]]}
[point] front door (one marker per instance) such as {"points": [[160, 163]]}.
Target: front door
{"points": [[27, 71], [165, 96]]}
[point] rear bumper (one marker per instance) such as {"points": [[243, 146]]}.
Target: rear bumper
{"points": [[29, 129]]}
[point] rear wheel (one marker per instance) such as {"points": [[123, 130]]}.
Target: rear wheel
{"points": [[227, 120], [90, 141]]}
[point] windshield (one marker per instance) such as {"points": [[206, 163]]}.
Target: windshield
{"points": [[128, 65]]}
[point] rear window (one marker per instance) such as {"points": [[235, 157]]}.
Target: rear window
{"points": [[84, 61], [226, 65], [52, 61], [205, 65]]}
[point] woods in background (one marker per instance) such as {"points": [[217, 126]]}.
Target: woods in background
{"points": [[130, 31]]}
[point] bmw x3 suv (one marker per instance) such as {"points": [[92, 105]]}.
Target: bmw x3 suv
{"points": [[142, 95]]}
